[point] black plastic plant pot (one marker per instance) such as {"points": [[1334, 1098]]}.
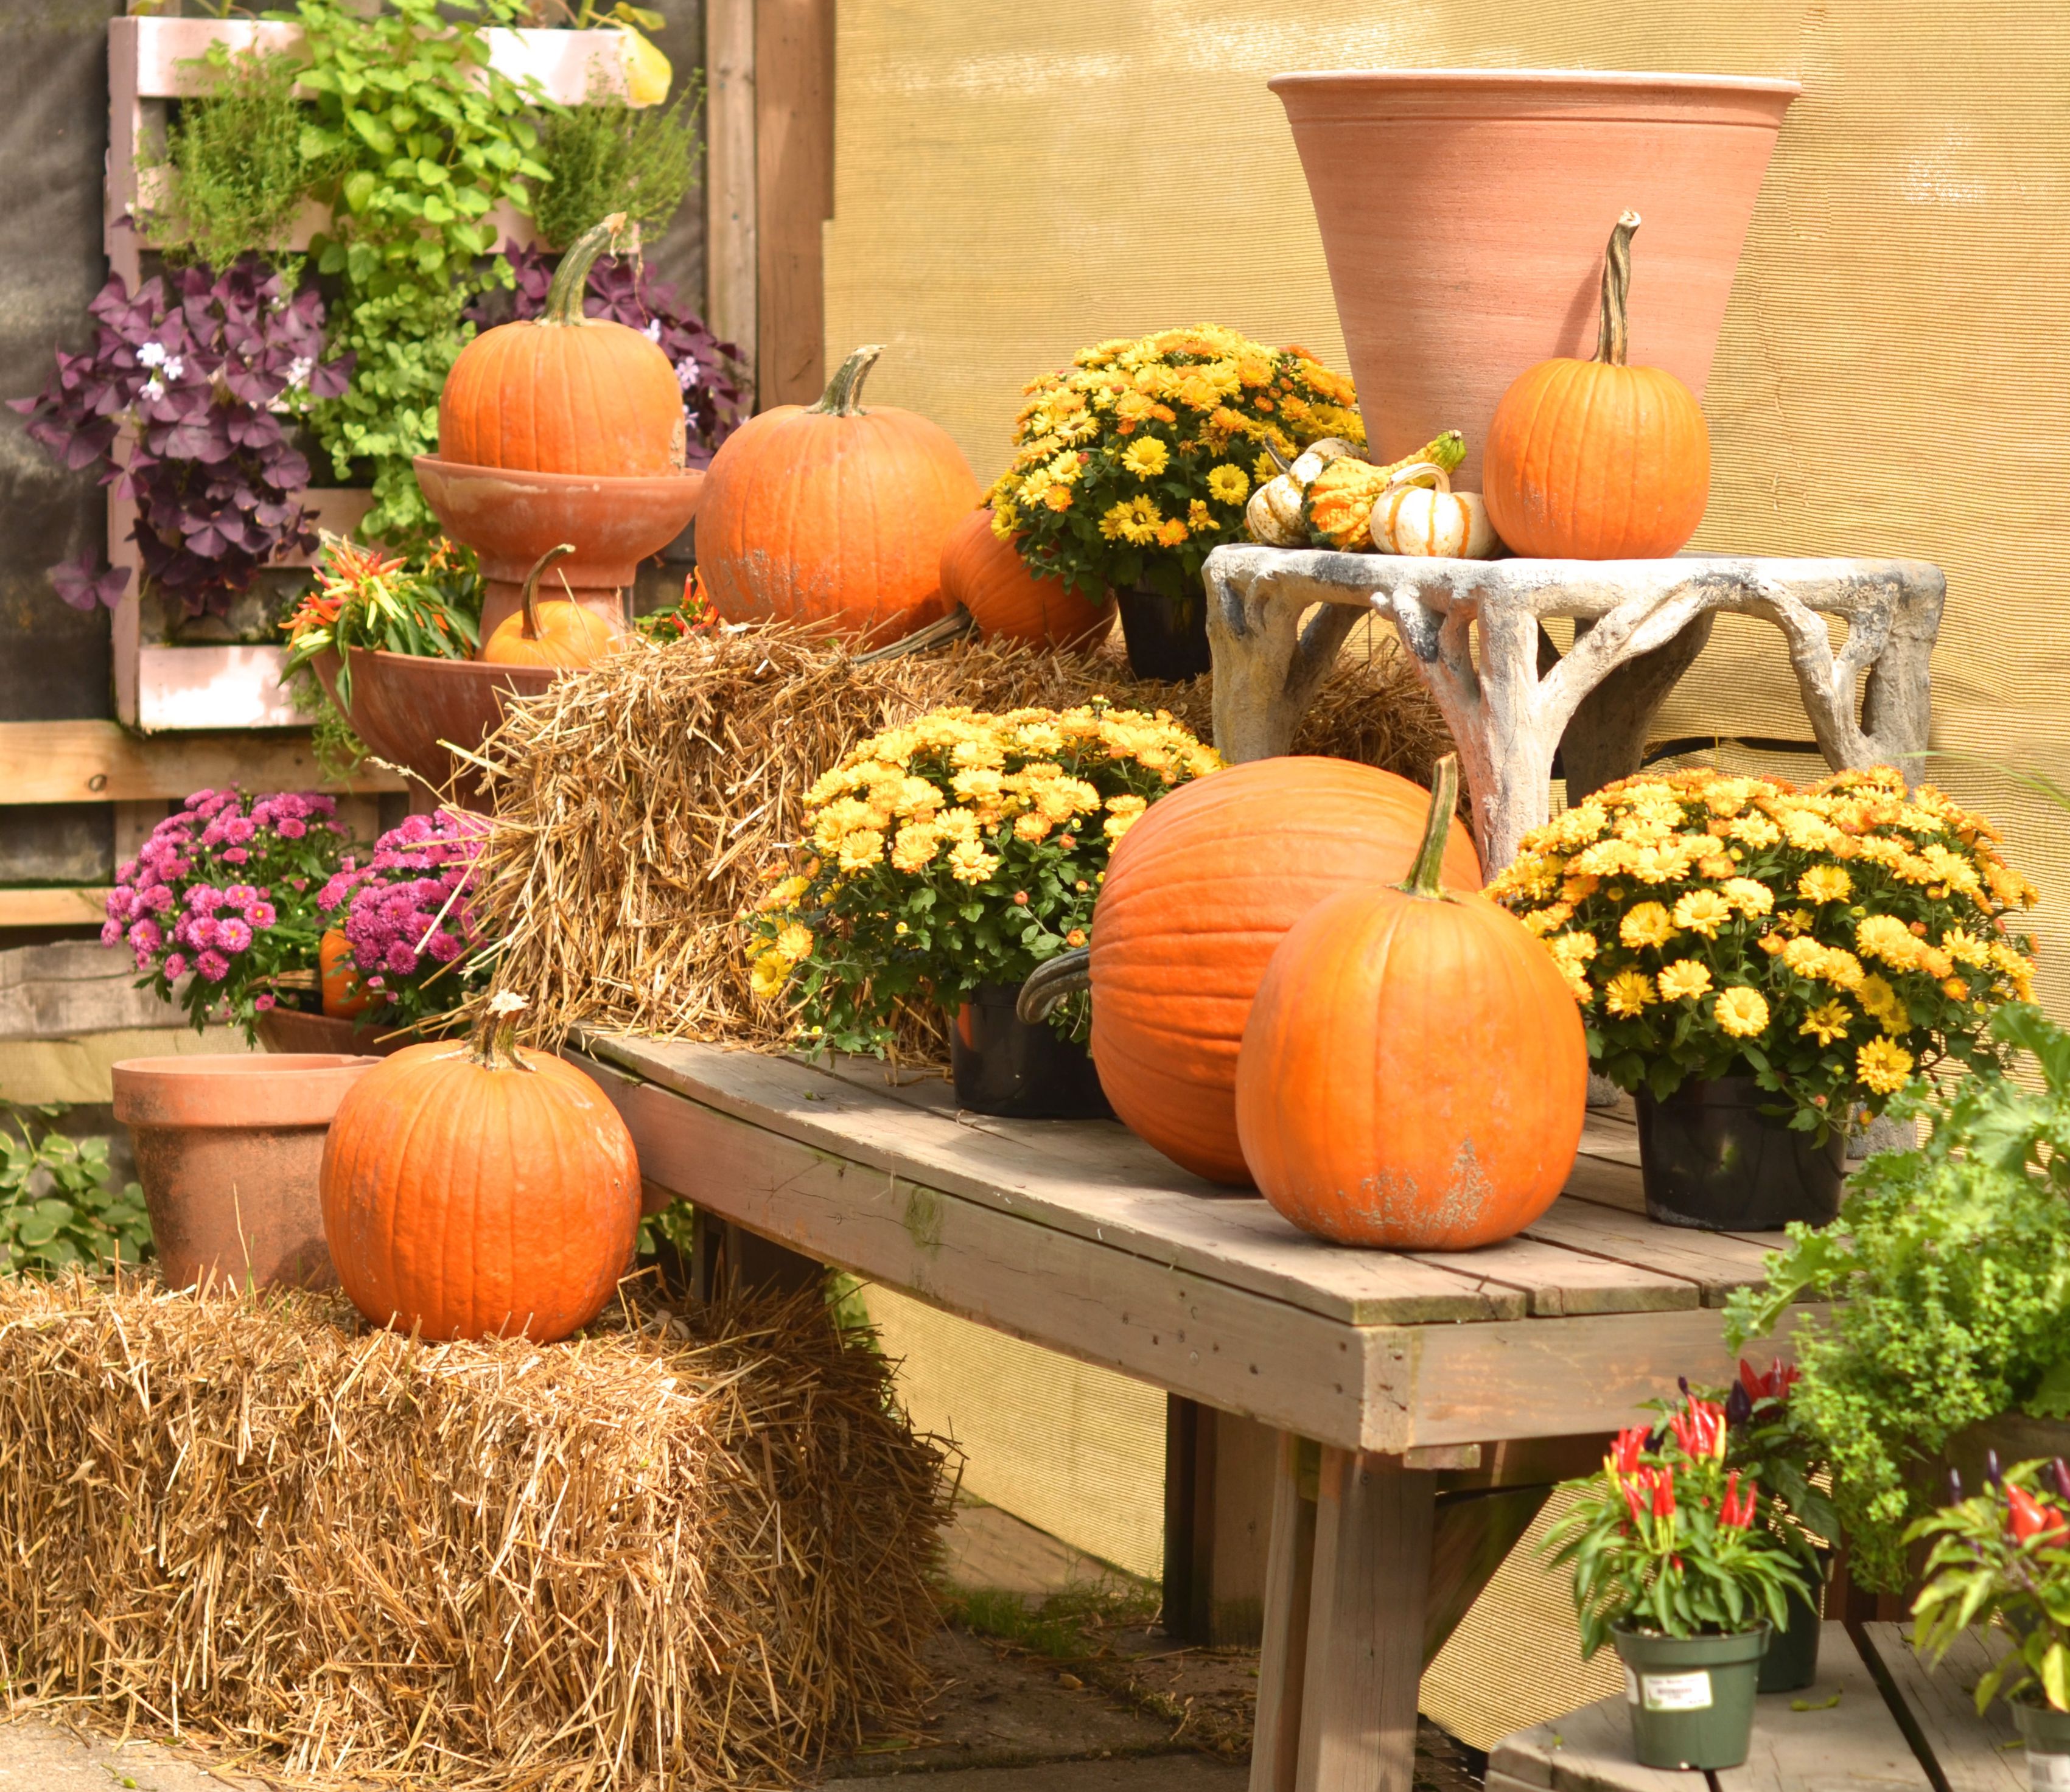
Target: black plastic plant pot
{"points": [[1017, 1069], [1708, 1157], [1167, 637], [2045, 1731], [1792, 1661], [1690, 1697]]}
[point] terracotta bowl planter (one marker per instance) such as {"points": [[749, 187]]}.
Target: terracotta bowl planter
{"points": [[228, 1150], [403, 708], [1464, 214], [291, 1030], [510, 519]]}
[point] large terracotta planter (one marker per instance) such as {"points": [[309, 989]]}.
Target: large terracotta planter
{"points": [[1464, 213], [405, 709], [293, 1032], [228, 1150], [510, 519]]}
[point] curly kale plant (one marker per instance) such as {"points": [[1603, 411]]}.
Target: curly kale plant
{"points": [[1952, 1263]]}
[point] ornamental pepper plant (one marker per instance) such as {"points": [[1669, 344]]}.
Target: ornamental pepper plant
{"points": [[1669, 1539], [405, 915], [2002, 1557], [959, 850], [1134, 463], [1830, 942], [219, 908]]}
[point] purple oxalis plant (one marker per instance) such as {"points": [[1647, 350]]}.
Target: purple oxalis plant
{"points": [[201, 375]]}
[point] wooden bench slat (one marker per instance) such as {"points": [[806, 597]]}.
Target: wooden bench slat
{"points": [[1716, 1262], [1970, 1753]]}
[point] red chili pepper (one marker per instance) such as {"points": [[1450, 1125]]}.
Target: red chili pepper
{"points": [[1662, 1489], [1630, 1445], [1701, 1428], [2027, 1517]]}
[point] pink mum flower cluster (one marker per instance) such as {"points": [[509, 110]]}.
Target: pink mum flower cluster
{"points": [[405, 908], [217, 887]]}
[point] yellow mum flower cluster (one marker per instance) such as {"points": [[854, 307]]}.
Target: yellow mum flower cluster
{"points": [[961, 848], [1136, 460], [1838, 939]]}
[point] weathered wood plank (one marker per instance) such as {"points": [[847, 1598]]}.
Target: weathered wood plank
{"points": [[730, 222], [1853, 1746], [78, 906], [1589, 1750], [1717, 1262], [1282, 1663], [92, 761], [1937, 1707], [1558, 1280], [61, 991]]}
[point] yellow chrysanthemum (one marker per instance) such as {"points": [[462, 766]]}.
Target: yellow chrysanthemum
{"points": [[1887, 939], [1826, 884], [1702, 912], [770, 973], [1575, 948], [1033, 825], [1827, 1022], [970, 863], [1964, 947], [914, 847], [793, 943], [1229, 484], [1741, 1012], [861, 849], [1147, 458], [1683, 980], [1647, 924], [1748, 896], [1629, 993], [1883, 1065]]}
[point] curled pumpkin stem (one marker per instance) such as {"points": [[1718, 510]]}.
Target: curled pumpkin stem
{"points": [[843, 397], [529, 628], [1613, 329], [1423, 879], [564, 295], [495, 1037], [1051, 982]]}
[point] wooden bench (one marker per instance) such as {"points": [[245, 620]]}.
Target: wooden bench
{"points": [[1877, 1720]]}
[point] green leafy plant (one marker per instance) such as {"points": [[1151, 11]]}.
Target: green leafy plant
{"points": [[606, 156], [2002, 1557], [426, 139], [1667, 1540], [384, 603], [59, 1206], [1949, 1268], [238, 156]]}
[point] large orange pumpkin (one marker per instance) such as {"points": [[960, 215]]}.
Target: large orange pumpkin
{"points": [[1414, 1073], [989, 577], [344, 996], [1197, 894], [564, 393], [475, 1189], [559, 632], [831, 515], [1594, 459]]}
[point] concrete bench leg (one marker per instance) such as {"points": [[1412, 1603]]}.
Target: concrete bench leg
{"points": [[1346, 1588]]}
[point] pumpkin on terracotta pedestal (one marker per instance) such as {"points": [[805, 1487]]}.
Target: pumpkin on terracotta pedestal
{"points": [[1594, 459], [833, 515], [556, 632], [1197, 894], [564, 393], [1414, 1072], [478, 1189], [989, 577]]}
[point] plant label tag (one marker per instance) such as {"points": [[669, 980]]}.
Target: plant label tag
{"points": [[1678, 1692], [2049, 1773], [1630, 1685]]}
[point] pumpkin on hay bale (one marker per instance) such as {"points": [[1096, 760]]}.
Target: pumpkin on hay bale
{"points": [[642, 803], [691, 1551]]}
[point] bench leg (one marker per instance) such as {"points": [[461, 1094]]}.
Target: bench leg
{"points": [[1346, 1592], [728, 1259], [1217, 1515]]}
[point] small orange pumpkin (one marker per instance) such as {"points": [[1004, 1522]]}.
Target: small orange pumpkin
{"points": [[564, 393], [833, 515], [344, 996], [989, 577], [1414, 1072], [1197, 894], [478, 1189], [559, 632], [1595, 460]]}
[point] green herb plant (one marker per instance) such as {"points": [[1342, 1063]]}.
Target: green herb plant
{"points": [[1949, 1268], [606, 156], [58, 1204], [426, 139]]}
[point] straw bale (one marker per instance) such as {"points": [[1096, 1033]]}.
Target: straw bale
{"points": [[680, 1553], [641, 803]]}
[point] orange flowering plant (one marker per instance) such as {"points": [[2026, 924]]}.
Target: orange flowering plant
{"points": [[959, 850], [1834, 942], [1136, 460]]}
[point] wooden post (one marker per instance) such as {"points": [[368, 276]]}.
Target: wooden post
{"points": [[728, 1261], [794, 194], [1282, 1668], [1218, 1490], [730, 246]]}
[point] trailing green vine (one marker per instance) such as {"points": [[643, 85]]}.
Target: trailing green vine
{"points": [[428, 140]]}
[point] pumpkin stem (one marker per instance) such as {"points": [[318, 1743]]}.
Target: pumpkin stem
{"points": [[1612, 329], [564, 297], [1423, 879], [843, 397], [1052, 979], [1416, 473], [529, 628], [497, 1036]]}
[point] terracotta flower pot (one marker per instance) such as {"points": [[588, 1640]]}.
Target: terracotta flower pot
{"points": [[1464, 213], [228, 1149], [293, 1032]]}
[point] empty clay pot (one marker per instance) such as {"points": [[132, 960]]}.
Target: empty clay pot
{"points": [[1464, 214], [228, 1150]]}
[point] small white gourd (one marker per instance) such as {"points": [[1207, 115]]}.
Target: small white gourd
{"points": [[1431, 520], [1274, 516]]}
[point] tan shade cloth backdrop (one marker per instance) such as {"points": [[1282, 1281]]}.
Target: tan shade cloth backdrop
{"points": [[1013, 182]]}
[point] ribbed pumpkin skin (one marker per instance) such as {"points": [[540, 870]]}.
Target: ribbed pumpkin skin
{"points": [[569, 635], [812, 518], [593, 398], [470, 1201], [1197, 895], [1414, 1074], [1588, 461], [989, 577], [345, 996]]}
